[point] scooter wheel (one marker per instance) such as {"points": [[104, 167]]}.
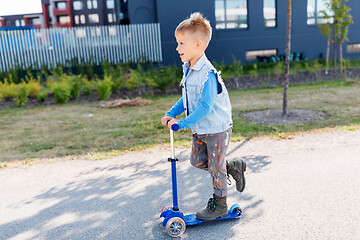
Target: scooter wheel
{"points": [[175, 227], [166, 207], [234, 208]]}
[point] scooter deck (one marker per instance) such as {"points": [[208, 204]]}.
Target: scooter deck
{"points": [[193, 220]]}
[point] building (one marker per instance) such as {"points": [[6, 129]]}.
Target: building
{"points": [[242, 29], [72, 13], [34, 20], [75, 13]]}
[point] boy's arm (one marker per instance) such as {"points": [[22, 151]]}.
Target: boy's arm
{"points": [[177, 109], [206, 105]]}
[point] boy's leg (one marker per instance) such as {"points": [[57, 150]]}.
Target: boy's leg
{"points": [[199, 153], [217, 145]]}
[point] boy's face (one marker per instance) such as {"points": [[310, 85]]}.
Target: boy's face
{"points": [[188, 48]]}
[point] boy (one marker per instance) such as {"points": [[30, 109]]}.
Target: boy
{"points": [[207, 107]]}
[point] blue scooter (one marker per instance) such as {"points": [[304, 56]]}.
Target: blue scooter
{"points": [[175, 221]]}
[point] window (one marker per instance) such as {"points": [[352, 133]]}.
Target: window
{"points": [[22, 22], [231, 14], [270, 13], [35, 21], [61, 5], [353, 48], [110, 4], [64, 19], [76, 19], [17, 22], [252, 55], [314, 8], [82, 19], [93, 18], [92, 4], [111, 18], [78, 5]]}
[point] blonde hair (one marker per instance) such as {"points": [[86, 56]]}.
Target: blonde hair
{"points": [[198, 26]]}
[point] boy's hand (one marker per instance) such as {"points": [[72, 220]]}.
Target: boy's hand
{"points": [[172, 121], [165, 119]]}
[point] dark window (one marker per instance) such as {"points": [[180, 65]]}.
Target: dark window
{"points": [[314, 8], [231, 14], [92, 4], [110, 4], [252, 55], [78, 5], [269, 13], [353, 48]]}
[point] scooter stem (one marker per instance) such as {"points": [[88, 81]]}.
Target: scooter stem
{"points": [[173, 172], [172, 144]]}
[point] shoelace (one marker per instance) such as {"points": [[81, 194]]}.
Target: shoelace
{"points": [[228, 179], [211, 204]]}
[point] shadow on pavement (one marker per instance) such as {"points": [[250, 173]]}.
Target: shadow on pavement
{"points": [[126, 203]]}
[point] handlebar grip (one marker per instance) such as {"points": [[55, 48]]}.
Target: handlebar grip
{"points": [[174, 127]]}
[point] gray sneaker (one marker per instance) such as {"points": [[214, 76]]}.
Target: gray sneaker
{"points": [[216, 208], [236, 169]]}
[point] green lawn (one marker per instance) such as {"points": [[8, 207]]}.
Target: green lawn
{"points": [[78, 129]]}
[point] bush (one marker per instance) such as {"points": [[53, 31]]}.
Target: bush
{"points": [[88, 86], [61, 91], [8, 90], [134, 80], [34, 87], [42, 95], [165, 77], [22, 95], [75, 83], [104, 88]]}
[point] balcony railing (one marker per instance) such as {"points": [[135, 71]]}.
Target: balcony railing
{"points": [[58, 11], [62, 25]]}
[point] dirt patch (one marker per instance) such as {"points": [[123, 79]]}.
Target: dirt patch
{"points": [[120, 103], [275, 116]]}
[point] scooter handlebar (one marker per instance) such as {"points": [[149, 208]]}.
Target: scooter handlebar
{"points": [[174, 127]]}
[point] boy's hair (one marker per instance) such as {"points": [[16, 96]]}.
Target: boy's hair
{"points": [[198, 26]]}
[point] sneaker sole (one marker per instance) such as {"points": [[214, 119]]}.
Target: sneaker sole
{"points": [[243, 167], [220, 216]]}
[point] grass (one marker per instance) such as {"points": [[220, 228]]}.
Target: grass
{"points": [[86, 130]]}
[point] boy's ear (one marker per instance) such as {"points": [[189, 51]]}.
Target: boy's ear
{"points": [[198, 43]]}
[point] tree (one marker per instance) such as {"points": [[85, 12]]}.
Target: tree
{"points": [[338, 20], [325, 29], [287, 57]]}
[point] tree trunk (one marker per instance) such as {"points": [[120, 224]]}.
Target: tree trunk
{"points": [[327, 55], [287, 58], [334, 42], [341, 59]]}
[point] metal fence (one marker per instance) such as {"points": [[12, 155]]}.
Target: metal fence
{"points": [[50, 47]]}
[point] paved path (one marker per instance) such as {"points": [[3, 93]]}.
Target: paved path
{"points": [[304, 188]]}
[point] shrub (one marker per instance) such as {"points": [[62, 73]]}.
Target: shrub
{"points": [[75, 83], [22, 95], [33, 86], [61, 91], [104, 88], [42, 95], [8, 90], [88, 86], [134, 79], [165, 77]]}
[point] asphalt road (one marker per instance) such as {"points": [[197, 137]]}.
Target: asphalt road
{"points": [[304, 188]]}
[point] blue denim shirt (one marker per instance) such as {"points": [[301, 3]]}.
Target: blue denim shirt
{"points": [[218, 117]]}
